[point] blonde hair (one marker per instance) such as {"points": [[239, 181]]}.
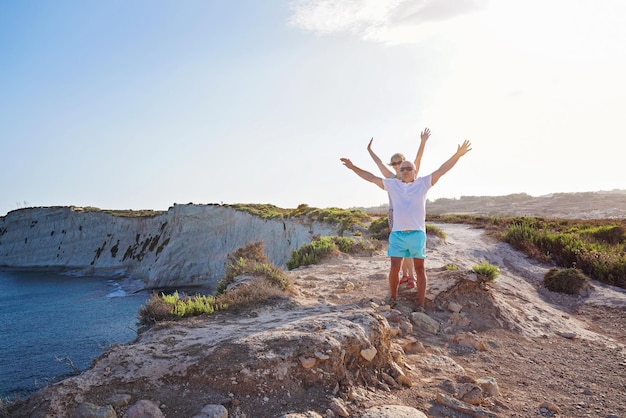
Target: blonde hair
{"points": [[396, 156]]}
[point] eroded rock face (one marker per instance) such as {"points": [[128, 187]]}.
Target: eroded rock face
{"points": [[247, 365], [187, 245]]}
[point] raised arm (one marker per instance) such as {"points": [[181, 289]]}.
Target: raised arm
{"points": [[445, 167], [365, 175], [381, 166], [420, 152]]}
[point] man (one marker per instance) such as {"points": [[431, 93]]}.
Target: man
{"points": [[408, 272], [408, 234]]}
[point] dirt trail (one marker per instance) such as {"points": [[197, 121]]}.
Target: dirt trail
{"points": [[543, 348]]}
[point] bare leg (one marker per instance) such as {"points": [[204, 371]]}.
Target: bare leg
{"points": [[394, 280], [420, 273], [407, 268]]}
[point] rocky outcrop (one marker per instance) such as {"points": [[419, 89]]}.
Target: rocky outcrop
{"points": [[185, 246]]}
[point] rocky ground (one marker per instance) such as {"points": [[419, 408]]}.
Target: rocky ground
{"points": [[333, 348]]}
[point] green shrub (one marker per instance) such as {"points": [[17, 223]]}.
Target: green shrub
{"points": [[432, 230], [313, 252], [486, 272], [344, 217], [379, 228], [251, 260], [569, 280], [170, 306], [269, 282]]}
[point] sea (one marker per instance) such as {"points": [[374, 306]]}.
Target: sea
{"points": [[53, 324]]}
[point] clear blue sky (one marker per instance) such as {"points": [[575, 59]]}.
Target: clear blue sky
{"points": [[142, 104]]}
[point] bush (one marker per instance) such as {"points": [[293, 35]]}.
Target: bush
{"points": [[432, 230], [269, 283], [251, 260], [313, 252], [486, 272], [379, 228], [569, 280], [163, 307]]}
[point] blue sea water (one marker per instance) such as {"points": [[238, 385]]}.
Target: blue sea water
{"points": [[48, 319]]}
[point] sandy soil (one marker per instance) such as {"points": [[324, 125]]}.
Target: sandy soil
{"points": [[565, 354]]}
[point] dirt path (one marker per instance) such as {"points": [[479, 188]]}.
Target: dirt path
{"points": [[544, 349]]}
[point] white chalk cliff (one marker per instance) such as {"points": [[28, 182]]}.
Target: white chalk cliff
{"points": [[187, 245]]}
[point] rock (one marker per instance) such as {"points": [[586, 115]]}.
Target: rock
{"points": [[339, 407], [413, 347], [444, 363], [89, 410], [470, 393], [425, 323], [550, 407], [144, 409], [489, 385], [307, 414], [390, 380], [460, 406], [119, 400], [369, 353], [393, 411], [454, 307], [470, 340], [213, 411], [307, 362], [459, 320]]}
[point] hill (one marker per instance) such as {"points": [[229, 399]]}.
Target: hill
{"points": [[332, 347], [585, 205]]}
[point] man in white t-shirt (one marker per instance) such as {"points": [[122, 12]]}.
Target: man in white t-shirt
{"points": [[408, 234]]}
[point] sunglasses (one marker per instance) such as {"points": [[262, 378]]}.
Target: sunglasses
{"points": [[406, 168], [393, 164]]}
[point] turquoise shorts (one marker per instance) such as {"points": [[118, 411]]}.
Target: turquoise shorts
{"points": [[407, 244]]}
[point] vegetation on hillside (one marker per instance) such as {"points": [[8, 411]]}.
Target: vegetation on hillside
{"points": [[313, 252], [570, 280], [126, 213], [486, 271], [345, 217], [595, 247], [585, 248], [267, 283]]}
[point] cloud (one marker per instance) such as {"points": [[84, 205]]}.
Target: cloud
{"points": [[391, 21]]}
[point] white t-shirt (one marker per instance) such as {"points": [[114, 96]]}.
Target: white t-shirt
{"points": [[409, 202]]}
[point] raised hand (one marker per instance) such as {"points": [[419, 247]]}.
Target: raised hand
{"points": [[347, 163], [464, 149], [425, 135]]}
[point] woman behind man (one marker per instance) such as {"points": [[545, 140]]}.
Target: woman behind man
{"points": [[408, 272]]}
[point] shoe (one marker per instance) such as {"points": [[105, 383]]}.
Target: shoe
{"points": [[404, 279], [392, 303], [419, 308], [410, 284]]}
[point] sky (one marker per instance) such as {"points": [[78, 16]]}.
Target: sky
{"points": [[145, 104]]}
